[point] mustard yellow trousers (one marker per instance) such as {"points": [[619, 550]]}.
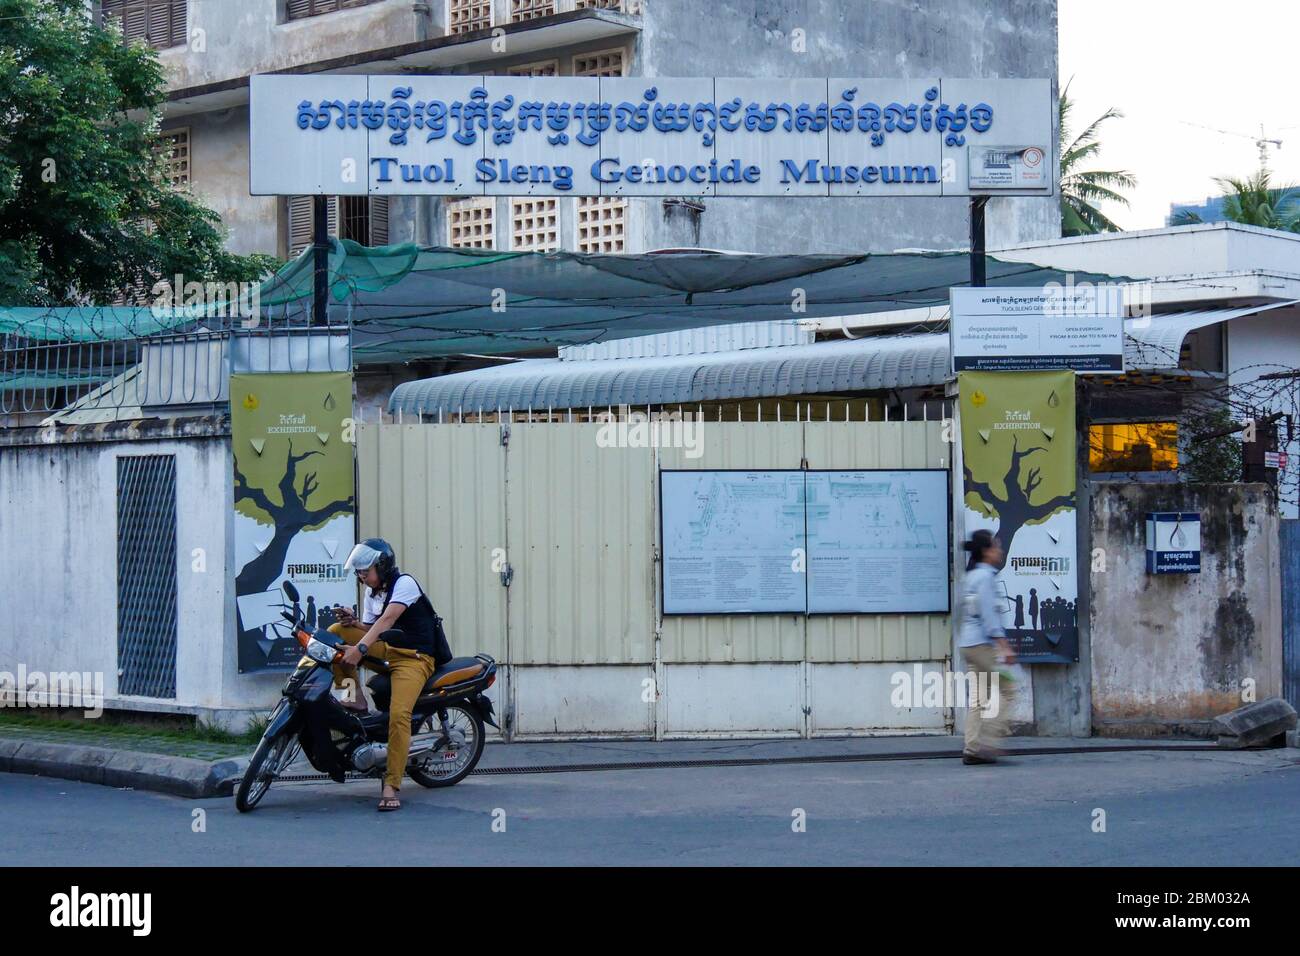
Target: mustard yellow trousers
{"points": [[409, 671]]}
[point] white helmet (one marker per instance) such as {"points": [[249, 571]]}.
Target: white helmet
{"points": [[373, 553]]}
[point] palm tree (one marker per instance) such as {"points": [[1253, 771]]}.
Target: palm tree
{"points": [[1082, 190], [1254, 201]]}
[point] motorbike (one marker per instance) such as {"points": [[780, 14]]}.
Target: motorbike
{"points": [[447, 722]]}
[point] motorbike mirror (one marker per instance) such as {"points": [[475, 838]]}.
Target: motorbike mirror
{"points": [[290, 590]]}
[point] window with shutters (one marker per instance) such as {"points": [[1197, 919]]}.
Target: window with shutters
{"points": [[541, 68], [302, 9], [601, 224], [363, 219], [530, 9], [466, 16], [601, 63], [535, 225], [600, 5], [159, 23], [174, 150], [469, 223]]}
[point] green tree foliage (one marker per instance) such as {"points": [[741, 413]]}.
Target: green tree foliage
{"points": [[85, 213], [1211, 450], [1254, 201], [1083, 190]]}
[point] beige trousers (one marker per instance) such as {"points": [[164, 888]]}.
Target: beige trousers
{"points": [[983, 732]]}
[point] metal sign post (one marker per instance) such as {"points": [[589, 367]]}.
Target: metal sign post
{"points": [[320, 260], [978, 262]]}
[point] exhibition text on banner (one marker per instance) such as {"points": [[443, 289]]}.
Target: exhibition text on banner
{"points": [[1018, 468], [294, 505]]}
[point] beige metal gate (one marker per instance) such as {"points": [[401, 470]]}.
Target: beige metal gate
{"points": [[539, 546]]}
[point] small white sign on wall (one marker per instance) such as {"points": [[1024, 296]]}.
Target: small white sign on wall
{"points": [[1173, 542]]}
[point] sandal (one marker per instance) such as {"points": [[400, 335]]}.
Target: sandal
{"points": [[387, 804]]}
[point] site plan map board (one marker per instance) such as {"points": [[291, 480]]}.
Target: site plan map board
{"points": [[353, 135], [805, 542], [1080, 328]]}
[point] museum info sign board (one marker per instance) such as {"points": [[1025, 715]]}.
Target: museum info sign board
{"points": [[863, 541], [335, 134], [1080, 328]]}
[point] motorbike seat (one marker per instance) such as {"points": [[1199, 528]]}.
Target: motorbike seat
{"points": [[455, 671]]}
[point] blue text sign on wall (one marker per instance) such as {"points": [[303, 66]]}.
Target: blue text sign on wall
{"points": [[1173, 542], [635, 136]]}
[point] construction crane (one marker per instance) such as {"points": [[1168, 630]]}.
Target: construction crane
{"points": [[1262, 141]]}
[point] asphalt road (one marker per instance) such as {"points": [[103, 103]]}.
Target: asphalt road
{"points": [[1160, 809]]}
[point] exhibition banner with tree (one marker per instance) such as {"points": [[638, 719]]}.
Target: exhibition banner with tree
{"points": [[1018, 448], [294, 488]]}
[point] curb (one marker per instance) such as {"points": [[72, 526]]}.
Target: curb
{"points": [[179, 776], [200, 779]]}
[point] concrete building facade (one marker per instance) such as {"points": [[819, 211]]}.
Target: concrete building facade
{"points": [[209, 49]]}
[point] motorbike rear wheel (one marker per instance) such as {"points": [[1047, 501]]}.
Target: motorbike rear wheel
{"points": [[267, 762], [435, 769]]}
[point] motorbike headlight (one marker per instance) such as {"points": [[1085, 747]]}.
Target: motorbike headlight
{"points": [[320, 651]]}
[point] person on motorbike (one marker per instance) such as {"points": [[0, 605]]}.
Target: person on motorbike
{"points": [[392, 600]]}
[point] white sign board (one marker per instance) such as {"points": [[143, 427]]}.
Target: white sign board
{"points": [[878, 542], [805, 542], [1018, 329], [1173, 542], [337, 134], [1008, 167]]}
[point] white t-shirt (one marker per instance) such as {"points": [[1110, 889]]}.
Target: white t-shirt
{"points": [[405, 591]]}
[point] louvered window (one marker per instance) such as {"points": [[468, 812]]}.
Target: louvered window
{"points": [[599, 5], [302, 9], [530, 9], [541, 68], [602, 224], [535, 225], [469, 224], [174, 149], [602, 63], [466, 16], [159, 23], [362, 219]]}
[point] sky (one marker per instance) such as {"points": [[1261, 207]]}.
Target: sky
{"points": [[1170, 63]]}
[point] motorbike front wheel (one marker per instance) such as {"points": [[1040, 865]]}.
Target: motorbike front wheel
{"points": [[452, 762], [268, 760]]}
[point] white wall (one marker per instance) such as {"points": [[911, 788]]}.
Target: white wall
{"points": [[1257, 345], [58, 580], [1187, 250]]}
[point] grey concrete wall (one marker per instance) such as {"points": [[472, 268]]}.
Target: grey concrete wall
{"points": [[886, 38], [233, 38], [1170, 652], [219, 178]]}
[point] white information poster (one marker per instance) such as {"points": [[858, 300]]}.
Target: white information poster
{"points": [[1019, 329], [731, 541], [878, 542], [805, 542]]}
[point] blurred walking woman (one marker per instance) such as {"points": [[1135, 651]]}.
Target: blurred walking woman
{"points": [[982, 637]]}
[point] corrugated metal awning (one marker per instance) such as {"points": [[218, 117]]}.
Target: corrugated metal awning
{"points": [[896, 361], [1156, 341]]}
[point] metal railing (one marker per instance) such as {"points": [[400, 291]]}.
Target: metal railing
{"points": [[102, 369]]}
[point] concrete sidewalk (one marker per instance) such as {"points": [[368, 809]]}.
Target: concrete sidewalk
{"points": [[109, 762]]}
